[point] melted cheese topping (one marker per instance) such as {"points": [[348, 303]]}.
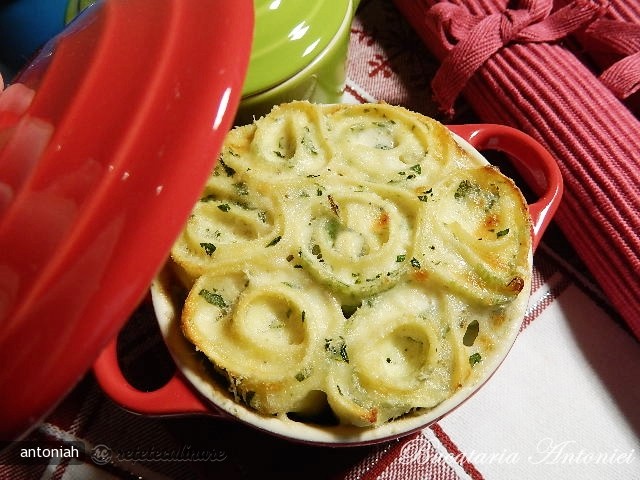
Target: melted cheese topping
{"points": [[352, 257]]}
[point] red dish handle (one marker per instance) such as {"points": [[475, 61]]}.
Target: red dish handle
{"points": [[176, 397], [534, 164], [532, 161]]}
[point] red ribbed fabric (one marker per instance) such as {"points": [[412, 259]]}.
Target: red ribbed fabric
{"points": [[614, 44], [545, 91], [478, 37]]}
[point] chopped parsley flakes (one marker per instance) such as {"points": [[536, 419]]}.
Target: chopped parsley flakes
{"points": [[475, 358], [337, 349], [274, 241], [209, 248], [213, 298]]}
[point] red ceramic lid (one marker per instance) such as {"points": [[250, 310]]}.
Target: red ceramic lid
{"points": [[98, 172]]}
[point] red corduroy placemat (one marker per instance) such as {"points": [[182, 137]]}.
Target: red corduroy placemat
{"points": [[613, 44]]}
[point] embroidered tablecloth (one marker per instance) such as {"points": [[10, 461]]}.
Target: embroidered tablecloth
{"points": [[564, 404]]}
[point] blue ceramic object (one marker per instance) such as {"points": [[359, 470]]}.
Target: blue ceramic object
{"points": [[26, 25]]}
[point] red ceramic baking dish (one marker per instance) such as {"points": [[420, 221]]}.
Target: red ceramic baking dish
{"points": [[190, 391]]}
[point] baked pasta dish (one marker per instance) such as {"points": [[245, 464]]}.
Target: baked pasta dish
{"points": [[351, 262]]}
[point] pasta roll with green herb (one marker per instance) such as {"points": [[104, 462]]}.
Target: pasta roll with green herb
{"points": [[383, 144], [475, 236], [289, 143], [400, 354], [356, 241], [234, 219], [264, 330]]}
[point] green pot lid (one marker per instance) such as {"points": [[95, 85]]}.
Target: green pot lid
{"points": [[288, 36]]}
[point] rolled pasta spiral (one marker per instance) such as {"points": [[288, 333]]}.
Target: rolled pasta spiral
{"points": [[475, 235], [264, 330], [351, 258], [288, 145], [388, 145], [402, 354], [356, 240], [233, 219]]}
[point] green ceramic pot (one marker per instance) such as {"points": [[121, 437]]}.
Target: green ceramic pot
{"points": [[299, 53]]}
